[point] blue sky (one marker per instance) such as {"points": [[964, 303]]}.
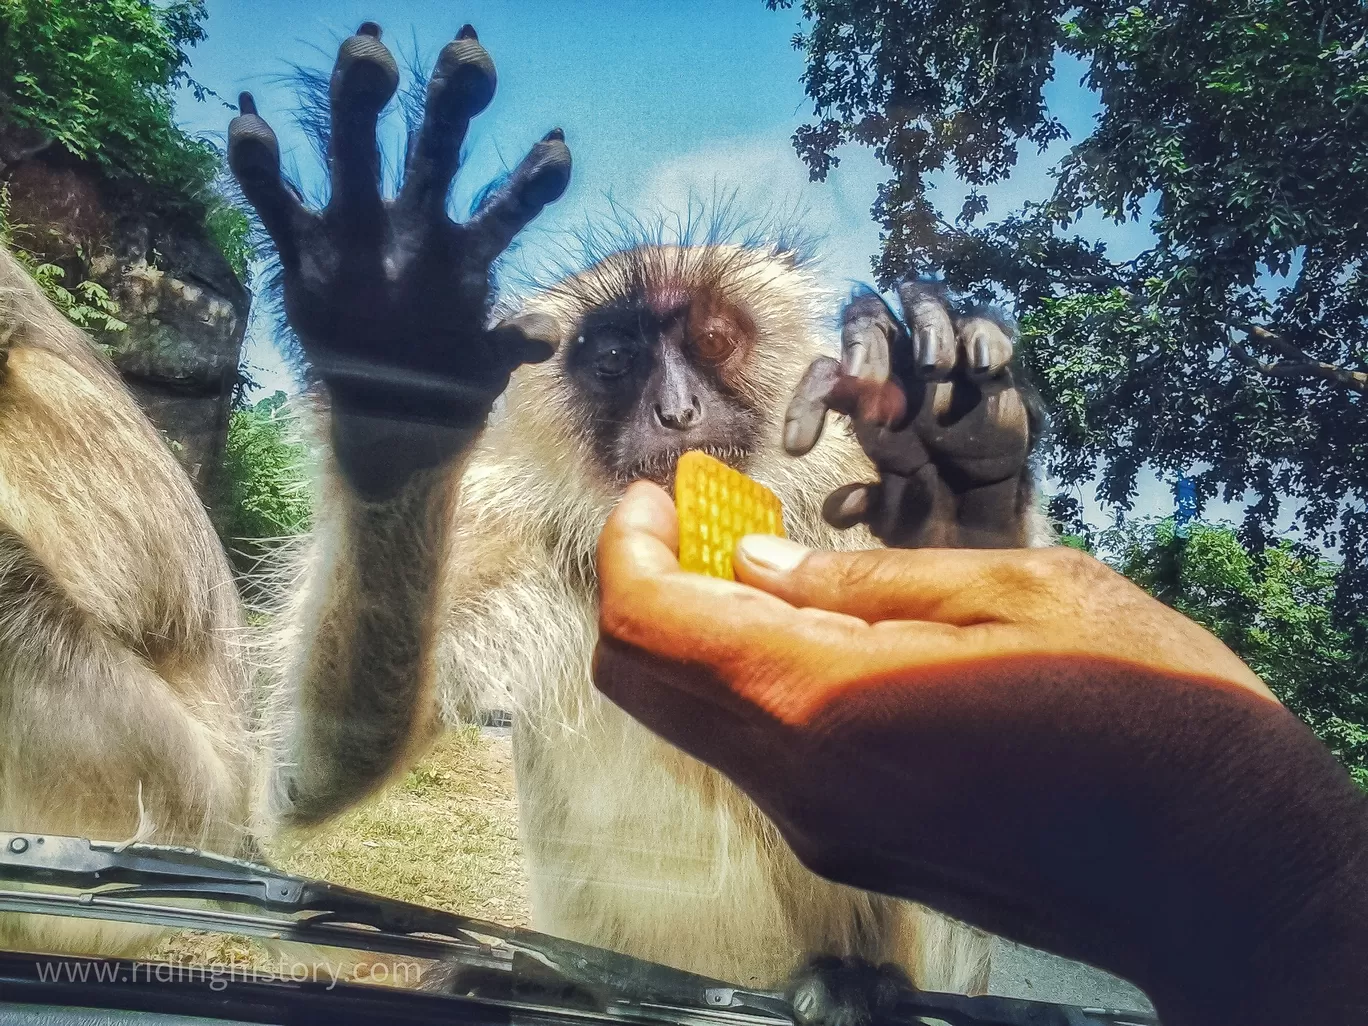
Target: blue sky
{"points": [[659, 102]]}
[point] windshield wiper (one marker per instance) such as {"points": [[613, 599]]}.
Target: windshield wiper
{"points": [[115, 881]]}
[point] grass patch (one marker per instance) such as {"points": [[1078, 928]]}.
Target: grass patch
{"points": [[446, 835]]}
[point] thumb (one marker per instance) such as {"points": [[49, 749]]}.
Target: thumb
{"points": [[959, 587]]}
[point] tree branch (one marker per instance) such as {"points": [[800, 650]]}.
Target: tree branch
{"points": [[1355, 380], [1296, 362]]}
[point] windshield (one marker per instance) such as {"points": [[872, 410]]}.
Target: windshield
{"points": [[301, 486]]}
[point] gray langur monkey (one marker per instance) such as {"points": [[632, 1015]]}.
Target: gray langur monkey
{"points": [[125, 696], [453, 558]]}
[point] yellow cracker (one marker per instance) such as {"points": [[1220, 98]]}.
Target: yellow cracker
{"points": [[717, 507]]}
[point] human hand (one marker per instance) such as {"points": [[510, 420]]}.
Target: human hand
{"points": [[1020, 738]]}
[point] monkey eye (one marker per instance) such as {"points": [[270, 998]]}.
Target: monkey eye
{"points": [[614, 360], [712, 345], [716, 342]]}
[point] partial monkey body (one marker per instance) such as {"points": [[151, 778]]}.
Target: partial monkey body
{"points": [[125, 697]]}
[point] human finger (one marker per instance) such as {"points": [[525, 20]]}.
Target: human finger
{"points": [[952, 586], [648, 601]]}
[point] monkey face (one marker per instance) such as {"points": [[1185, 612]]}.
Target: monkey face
{"points": [[661, 378]]}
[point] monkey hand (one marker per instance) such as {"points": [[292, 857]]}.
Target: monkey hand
{"points": [[939, 409], [390, 299]]}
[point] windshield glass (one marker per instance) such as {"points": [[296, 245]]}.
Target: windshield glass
{"points": [[301, 486]]}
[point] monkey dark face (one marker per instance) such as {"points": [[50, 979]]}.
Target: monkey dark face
{"points": [[661, 376]]}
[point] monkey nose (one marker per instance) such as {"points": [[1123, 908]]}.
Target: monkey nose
{"points": [[680, 418]]}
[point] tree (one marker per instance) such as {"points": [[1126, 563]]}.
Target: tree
{"points": [[96, 77], [1271, 608], [1235, 349]]}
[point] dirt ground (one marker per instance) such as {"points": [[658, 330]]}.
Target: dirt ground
{"points": [[446, 836]]}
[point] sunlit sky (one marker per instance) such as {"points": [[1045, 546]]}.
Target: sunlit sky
{"points": [[660, 102]]}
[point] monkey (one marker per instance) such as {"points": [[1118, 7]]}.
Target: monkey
{"points": [[125, 690], [452, 557]]}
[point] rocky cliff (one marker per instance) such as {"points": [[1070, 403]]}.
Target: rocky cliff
{"points": [[185, 309]]}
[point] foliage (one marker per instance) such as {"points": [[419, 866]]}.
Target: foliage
{"points": [[262, 489], [1235, 349], [87, 304], [231, 231], [97, 76], [1272, 608]]}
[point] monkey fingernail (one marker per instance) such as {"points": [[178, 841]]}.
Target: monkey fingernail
{"points": [[778, 555]]}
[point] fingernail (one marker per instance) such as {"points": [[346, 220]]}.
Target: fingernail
{"points": [[777, 554], [799, 436]]}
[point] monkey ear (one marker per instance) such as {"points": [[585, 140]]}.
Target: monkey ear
{"points": [[527, 338]]}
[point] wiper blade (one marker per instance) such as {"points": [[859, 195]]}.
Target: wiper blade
{"points": [[116, 879], [119, 877]]}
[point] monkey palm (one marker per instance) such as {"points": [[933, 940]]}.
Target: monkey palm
{"points": [[457, 571]]}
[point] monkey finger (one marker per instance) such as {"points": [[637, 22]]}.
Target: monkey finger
{"points": [[254, 159], [461, 86], [869, 332], [528, 338], [849, 505], [987, 349], [363, 80], [873, 403], [934, 349], [541, 178], [805, 417], [880, 507]]}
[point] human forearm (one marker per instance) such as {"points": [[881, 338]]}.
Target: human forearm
{"points": [[1191, 837], [1020, 738]]}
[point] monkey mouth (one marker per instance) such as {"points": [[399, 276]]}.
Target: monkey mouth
{"points": [[660, 466]]}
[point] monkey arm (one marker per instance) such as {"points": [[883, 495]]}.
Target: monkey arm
{"points": [[359, 639], [407, 606], [390, 301]]}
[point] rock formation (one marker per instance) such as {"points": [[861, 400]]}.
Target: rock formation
{"points": [[185, 309]]}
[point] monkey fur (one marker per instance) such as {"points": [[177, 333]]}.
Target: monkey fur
{"points": [[630, 844], [125, 699]]}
